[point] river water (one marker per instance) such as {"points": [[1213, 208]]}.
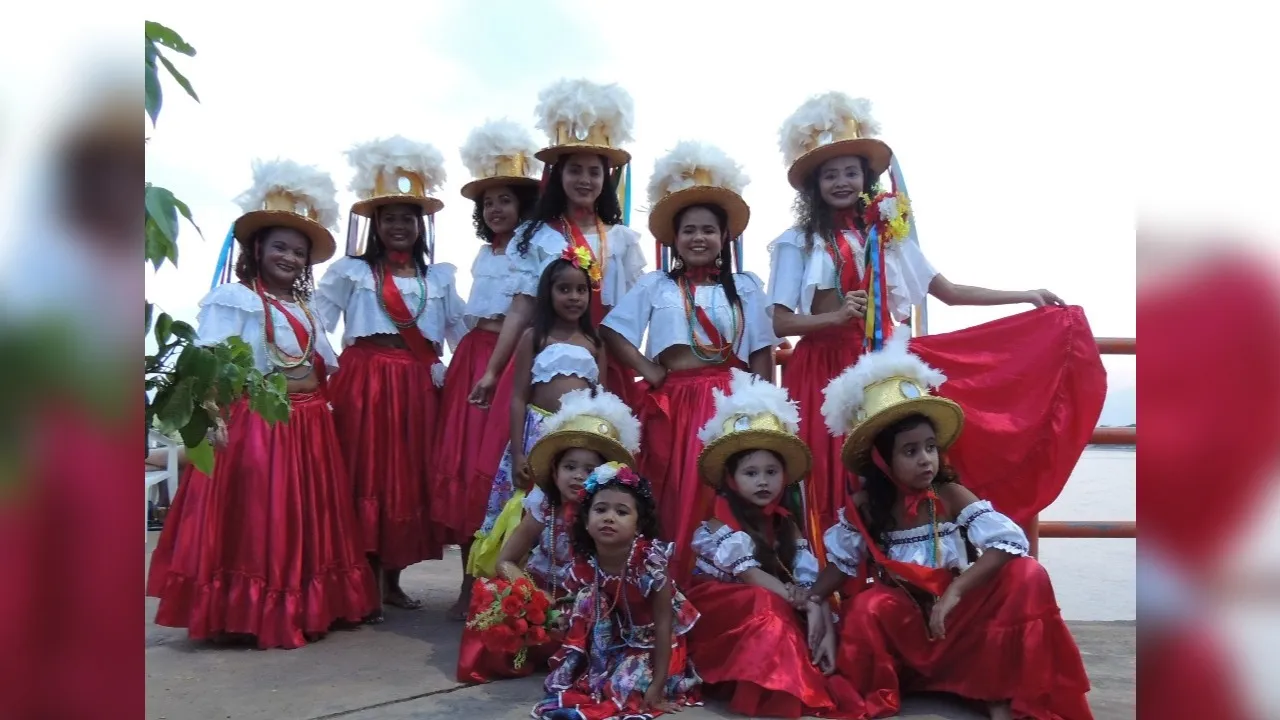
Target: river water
{"points": [[1095, 579]]}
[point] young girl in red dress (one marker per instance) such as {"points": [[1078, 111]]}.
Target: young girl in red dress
{"points": [[753, 567], [499, 155], [822, 275], [933, 618], [699, 321], [268, 547], [624, 652], [593, 426], [586, 124], [398, 308]]}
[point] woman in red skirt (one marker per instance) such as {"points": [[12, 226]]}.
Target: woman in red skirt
{"points": [[754, 569], [269, 546], [500, 158], [398, 310], [703, 320], [577, 208], [819, 277], [934, 618]]}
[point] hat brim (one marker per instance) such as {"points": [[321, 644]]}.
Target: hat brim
{"points": [[876, 152], [366, 208], [796, 457], [475, 189], [323, 246], [947, 418], [617, 157], [543, 453], [664, 212]]}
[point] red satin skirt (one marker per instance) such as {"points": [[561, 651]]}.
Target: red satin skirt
{"points": [[671, 417], [1031, 385], [269, 546], [457, 502], [816, 360], [385, 406], [1005, 640], [753, 645]]}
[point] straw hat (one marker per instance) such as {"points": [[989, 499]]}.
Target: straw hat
{"points": [[395, 171], [830, 126], [755, 415], [882, 388], [694, 174], [499, 153], [287, 194], [580, 116], [594, 420]]}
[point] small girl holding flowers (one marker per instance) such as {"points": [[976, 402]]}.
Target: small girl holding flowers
{"points": [[512, 614], [624, 648]]}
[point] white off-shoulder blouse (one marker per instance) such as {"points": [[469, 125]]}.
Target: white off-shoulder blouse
{"points": [[622, 267], [656, 303], [797, 270], [233, 309], [493, 284], [725, 553], [348, 291], [987, 529]]}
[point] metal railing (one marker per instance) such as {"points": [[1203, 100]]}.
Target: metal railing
{"points": [[1036, 529]]}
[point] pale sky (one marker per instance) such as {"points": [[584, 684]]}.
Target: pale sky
{"points": [[1003, 136]]}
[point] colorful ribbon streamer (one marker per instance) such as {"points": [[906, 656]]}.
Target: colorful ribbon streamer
{"points": [[222, 271]]}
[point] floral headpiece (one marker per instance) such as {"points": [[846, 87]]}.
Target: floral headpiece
{"points": [[580, 257], [613, 473]]}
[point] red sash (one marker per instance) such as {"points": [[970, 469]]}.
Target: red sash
{"points": [[849, 280], [931, 580], [393, 301], [724, 513], [300, 332], [595, 307]]}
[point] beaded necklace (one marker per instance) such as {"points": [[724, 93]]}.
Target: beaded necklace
{"points": [[707, 352], [567, 233], [378, 284], [276, 356]]}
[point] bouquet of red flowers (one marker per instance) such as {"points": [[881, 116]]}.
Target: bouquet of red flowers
{"points": [[511, 616]]}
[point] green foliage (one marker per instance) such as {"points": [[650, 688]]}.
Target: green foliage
{"points": [[188, 386]]}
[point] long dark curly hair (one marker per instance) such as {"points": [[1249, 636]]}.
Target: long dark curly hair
{"points": [[249, 265], [752, 519], [726, 252], [544, 313], [813, 215], [882, 493], [375, 249], [646, 520], [526, 198], [554, 203]]}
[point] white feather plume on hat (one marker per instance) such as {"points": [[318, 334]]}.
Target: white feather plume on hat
{"points": [[372, 158], [750, 395], [583, 104], [845, 394], [307, 183], [827, 113], [606, 406], [495, 140], [675, 170]]}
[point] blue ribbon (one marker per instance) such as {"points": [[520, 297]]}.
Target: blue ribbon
{"points": [[873, 267], [626, 197], [224, 257]]}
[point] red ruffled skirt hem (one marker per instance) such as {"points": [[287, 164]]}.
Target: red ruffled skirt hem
{"points": [[385, 406], [269, 545]]}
